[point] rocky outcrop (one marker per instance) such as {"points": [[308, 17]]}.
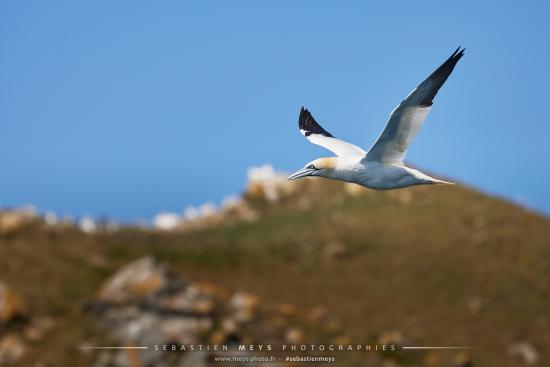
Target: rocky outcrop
{"points": [[147, 304], [12, 310], [264, 183], [11, 305], [135, 281], [12, 349], [12, 221], [526, 351]]}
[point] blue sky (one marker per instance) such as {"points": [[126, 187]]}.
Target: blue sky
{"points": [[129, 108]]}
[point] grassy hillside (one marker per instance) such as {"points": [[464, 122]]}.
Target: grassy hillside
{"points": [[442, 265]]}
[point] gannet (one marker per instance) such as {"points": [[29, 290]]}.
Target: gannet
{"points": [[382, 167]]}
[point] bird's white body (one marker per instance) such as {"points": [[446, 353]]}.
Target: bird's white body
{"points": [[382, 167], [376, 175]]}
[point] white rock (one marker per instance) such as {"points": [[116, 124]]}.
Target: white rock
{"points": [[191, 213], [230, 202], [87, 224], [208, 209], [50, 218], [268, 179], [166, 220]]}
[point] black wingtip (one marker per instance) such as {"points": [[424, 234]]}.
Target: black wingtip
{"points": [[307, 123], [459, 52], [303, 115], [440, 75], [453, 59]]}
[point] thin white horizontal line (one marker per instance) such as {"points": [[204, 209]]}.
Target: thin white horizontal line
{"points": [[113, 347], [437, 347]]}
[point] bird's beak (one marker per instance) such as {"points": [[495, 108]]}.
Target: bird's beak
{"points": [[304, 172]]}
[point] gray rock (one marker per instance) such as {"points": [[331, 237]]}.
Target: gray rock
{"points": [[526, 351]]}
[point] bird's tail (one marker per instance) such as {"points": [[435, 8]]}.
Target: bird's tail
{"points": [[435, 181]]}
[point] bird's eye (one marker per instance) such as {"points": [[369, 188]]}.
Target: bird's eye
{"points": [[311, 166]]}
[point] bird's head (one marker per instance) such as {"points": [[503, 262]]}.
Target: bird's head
{"points": [[320, 167]]}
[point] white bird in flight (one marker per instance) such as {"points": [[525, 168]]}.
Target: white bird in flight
{"points": [[382, 167]]}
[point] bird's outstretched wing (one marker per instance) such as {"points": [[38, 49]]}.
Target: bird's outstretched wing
{"points": [[317, 135], [407, 118]]}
